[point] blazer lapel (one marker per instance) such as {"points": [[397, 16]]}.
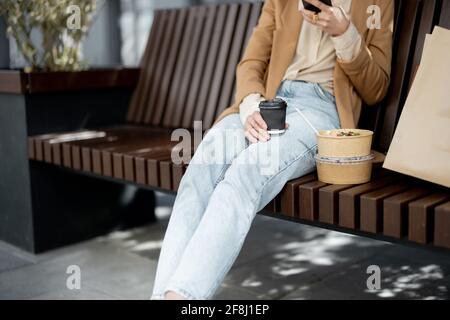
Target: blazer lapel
{"points": [[284, 45]]}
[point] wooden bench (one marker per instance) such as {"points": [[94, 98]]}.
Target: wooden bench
{"points": [[188, 73]]}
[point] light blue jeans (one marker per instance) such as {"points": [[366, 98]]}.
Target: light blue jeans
{"points": [[217, 200]]}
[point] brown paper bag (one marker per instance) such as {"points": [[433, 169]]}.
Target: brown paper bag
{"points": [[421, 144]]}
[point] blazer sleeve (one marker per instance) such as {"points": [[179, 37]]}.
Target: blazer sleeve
{"points": [[251, 69], [370, 70]]}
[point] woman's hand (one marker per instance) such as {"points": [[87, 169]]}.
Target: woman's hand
{"points": [[332, 20], [256, 128]]}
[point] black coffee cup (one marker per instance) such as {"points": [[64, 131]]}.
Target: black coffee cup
{"points": [[274, 114]]}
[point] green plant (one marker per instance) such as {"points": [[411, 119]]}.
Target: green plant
{"points": [[59, 49]]}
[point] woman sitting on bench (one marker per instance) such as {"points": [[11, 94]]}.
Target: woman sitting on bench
{"points": [[324, 64]]}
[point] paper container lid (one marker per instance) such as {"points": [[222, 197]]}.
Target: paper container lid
{"points": [[361, 133]]}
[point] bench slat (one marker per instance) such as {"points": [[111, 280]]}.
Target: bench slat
{"points": [[178, 171], [153, 170], [395, 212], [329, 203], [117, 156], [349, 201], [76, 157], [444, 20], [128, 168], [57, 154], [139, 165], [161, 67], [86, 159], [226, 89], [96, 161], [173, 115], [172, 105], [442, 225], [289, 196], [30, 144], [309, 200], [425, 26], [90, 154], [421, 217], [141, 170], [66, 150], [400, 75], [91, 160], [129, 139], [67, 155], [118, 165], [147, 66], [203, 53], [166, 78], [270, 207], [211, 63], [220, 65], [51, 147], [371, 209], [165, 169], [253, 21], [113, 166], [134, 162], [39, 145], [146, 99]]}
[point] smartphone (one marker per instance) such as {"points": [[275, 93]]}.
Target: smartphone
{"points": [[310, 7]]}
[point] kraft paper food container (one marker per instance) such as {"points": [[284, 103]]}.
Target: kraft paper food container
{"points": [[331, 145], [349, 170]]}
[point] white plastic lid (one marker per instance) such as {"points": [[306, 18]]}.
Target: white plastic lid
{"points": [[345, 160]]}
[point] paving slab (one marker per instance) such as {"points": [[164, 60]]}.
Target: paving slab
{"points": [[12, 257], [145, 241], [401, 278], [227, 292], [279, 260], [86, 293], [296, 263], [103, 268], [280, 238]]}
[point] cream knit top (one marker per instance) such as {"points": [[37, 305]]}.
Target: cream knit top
{"points": [[315, 57]]}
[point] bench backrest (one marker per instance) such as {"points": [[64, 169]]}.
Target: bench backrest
{"points": [[414, 18], [188, 67]]}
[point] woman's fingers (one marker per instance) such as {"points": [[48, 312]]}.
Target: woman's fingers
{"points": [[261, 127], [332, 20], [322, 6], [256, 128], [257, 135], [259, 120], [309, 13], [250, 137], [319, 23]]}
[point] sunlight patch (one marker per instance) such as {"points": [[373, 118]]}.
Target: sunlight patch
{"points": [[149, 245]]}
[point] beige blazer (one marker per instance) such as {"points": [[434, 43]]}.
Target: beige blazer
{"points": [[272, 45]]}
